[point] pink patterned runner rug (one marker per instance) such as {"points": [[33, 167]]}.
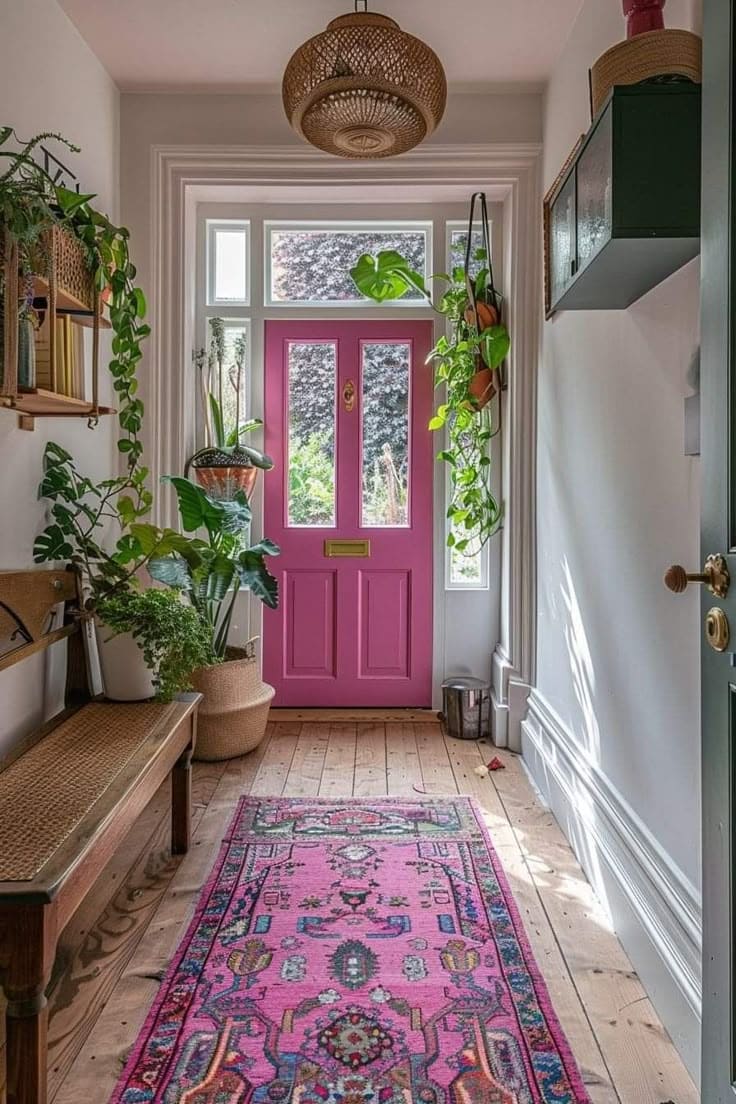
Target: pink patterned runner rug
{"points": [[354, 952]]}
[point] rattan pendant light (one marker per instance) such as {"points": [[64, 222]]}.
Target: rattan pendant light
{"points": [[364, 88]]}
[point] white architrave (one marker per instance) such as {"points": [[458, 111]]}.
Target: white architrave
{"points": [[509, 173]]}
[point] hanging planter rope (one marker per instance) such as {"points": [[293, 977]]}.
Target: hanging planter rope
{"points": [[484, 308]]}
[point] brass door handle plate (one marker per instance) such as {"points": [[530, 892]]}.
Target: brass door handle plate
{"points": [[717, 630], [715, 575]]}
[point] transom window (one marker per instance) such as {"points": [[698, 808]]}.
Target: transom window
{"points": [[309, 263]]}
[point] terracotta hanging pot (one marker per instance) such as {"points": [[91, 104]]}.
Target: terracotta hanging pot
{"points": [[223, 473], [482, 387], [482, 316]]}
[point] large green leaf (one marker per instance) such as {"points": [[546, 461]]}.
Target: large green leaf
{"points": [[494, 345], [386, 276], [51, 545], [69, 201], [211, 581], [255, 576], [218, 426], [236, 514], [267, 547], [173, 571], [196, 508], [164, 542]]}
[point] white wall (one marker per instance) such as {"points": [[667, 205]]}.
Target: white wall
{"points": [[50, 81], [613, 734]]}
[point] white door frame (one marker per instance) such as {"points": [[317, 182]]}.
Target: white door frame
{"points": [[509, 174]]}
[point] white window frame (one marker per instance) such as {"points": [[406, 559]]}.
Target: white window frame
{"points": [[364, 226], [213, 227]]}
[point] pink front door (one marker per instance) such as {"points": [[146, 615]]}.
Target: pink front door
{"points": [[350, 504]]}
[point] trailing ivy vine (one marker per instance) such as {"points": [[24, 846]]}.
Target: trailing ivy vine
{"points": [[32, 203]]}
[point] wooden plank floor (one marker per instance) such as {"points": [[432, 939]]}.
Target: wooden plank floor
{"points": [[114, 951]]}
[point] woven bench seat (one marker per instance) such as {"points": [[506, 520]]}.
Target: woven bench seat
{"points": [[62, 781], [69, 794]]}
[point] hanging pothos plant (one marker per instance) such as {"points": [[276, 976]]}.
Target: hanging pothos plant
{"points": [[32, 203], [468, 362]]}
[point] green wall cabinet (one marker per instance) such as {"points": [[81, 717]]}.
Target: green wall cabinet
{"points": [[625, 213]]}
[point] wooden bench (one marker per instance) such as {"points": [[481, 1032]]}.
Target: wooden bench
{"points": [[68, 795]]}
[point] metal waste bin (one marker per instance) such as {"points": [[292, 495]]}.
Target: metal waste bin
{"points": [[466, 708]]}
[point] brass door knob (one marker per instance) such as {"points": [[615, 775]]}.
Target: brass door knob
{"points": [[715, 575]]}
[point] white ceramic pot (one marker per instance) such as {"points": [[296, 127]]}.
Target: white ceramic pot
{"points": [[125, 674]]}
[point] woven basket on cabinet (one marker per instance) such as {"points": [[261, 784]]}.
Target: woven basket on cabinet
{"points": [[665, 53]]}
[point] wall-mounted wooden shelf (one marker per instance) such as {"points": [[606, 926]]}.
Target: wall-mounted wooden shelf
{"points": [[66, 287], [35, 402]]}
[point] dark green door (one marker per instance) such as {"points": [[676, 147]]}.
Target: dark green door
{"points": [[718, 396]]}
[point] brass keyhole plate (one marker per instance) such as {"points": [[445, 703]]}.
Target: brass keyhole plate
{"points": [[717, 630]]}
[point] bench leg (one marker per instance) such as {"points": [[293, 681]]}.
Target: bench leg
{"points": [[29, 937], [181, 801]]}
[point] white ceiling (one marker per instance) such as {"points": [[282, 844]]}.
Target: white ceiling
{"points": [[241, 45]]}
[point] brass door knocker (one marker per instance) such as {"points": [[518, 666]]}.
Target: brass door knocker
{"points": [[348, 396]]}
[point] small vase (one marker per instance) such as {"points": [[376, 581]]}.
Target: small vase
{"points": [[26, 353]]}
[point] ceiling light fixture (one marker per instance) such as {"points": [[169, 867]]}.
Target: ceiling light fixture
{"points": [[364, 88]]}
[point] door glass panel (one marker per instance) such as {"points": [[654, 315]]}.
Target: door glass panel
{"points": [[385, 373], [312, 383]]}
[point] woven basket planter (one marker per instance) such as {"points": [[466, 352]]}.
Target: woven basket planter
{"points": [[234, 713], [667, 53]]}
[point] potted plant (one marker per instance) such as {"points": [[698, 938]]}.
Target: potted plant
{"points": [[211, 573], [468, 362], [157, 639], [224, 465], [148, 645], [171, 642]]}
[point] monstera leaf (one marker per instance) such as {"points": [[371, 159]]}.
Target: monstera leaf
{"points": [[52, 545], [386, 276]]}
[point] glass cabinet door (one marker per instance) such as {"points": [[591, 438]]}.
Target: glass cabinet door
{"points": [[594, 186], [562, 239]]}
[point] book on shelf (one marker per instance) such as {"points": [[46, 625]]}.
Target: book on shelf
{"points": [[69, 358]]}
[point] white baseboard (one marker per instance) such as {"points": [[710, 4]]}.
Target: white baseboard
{"points": [[509, 696], [654, 908]]}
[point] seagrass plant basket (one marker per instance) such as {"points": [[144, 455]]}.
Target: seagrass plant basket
{"points": [[234, 711]]}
